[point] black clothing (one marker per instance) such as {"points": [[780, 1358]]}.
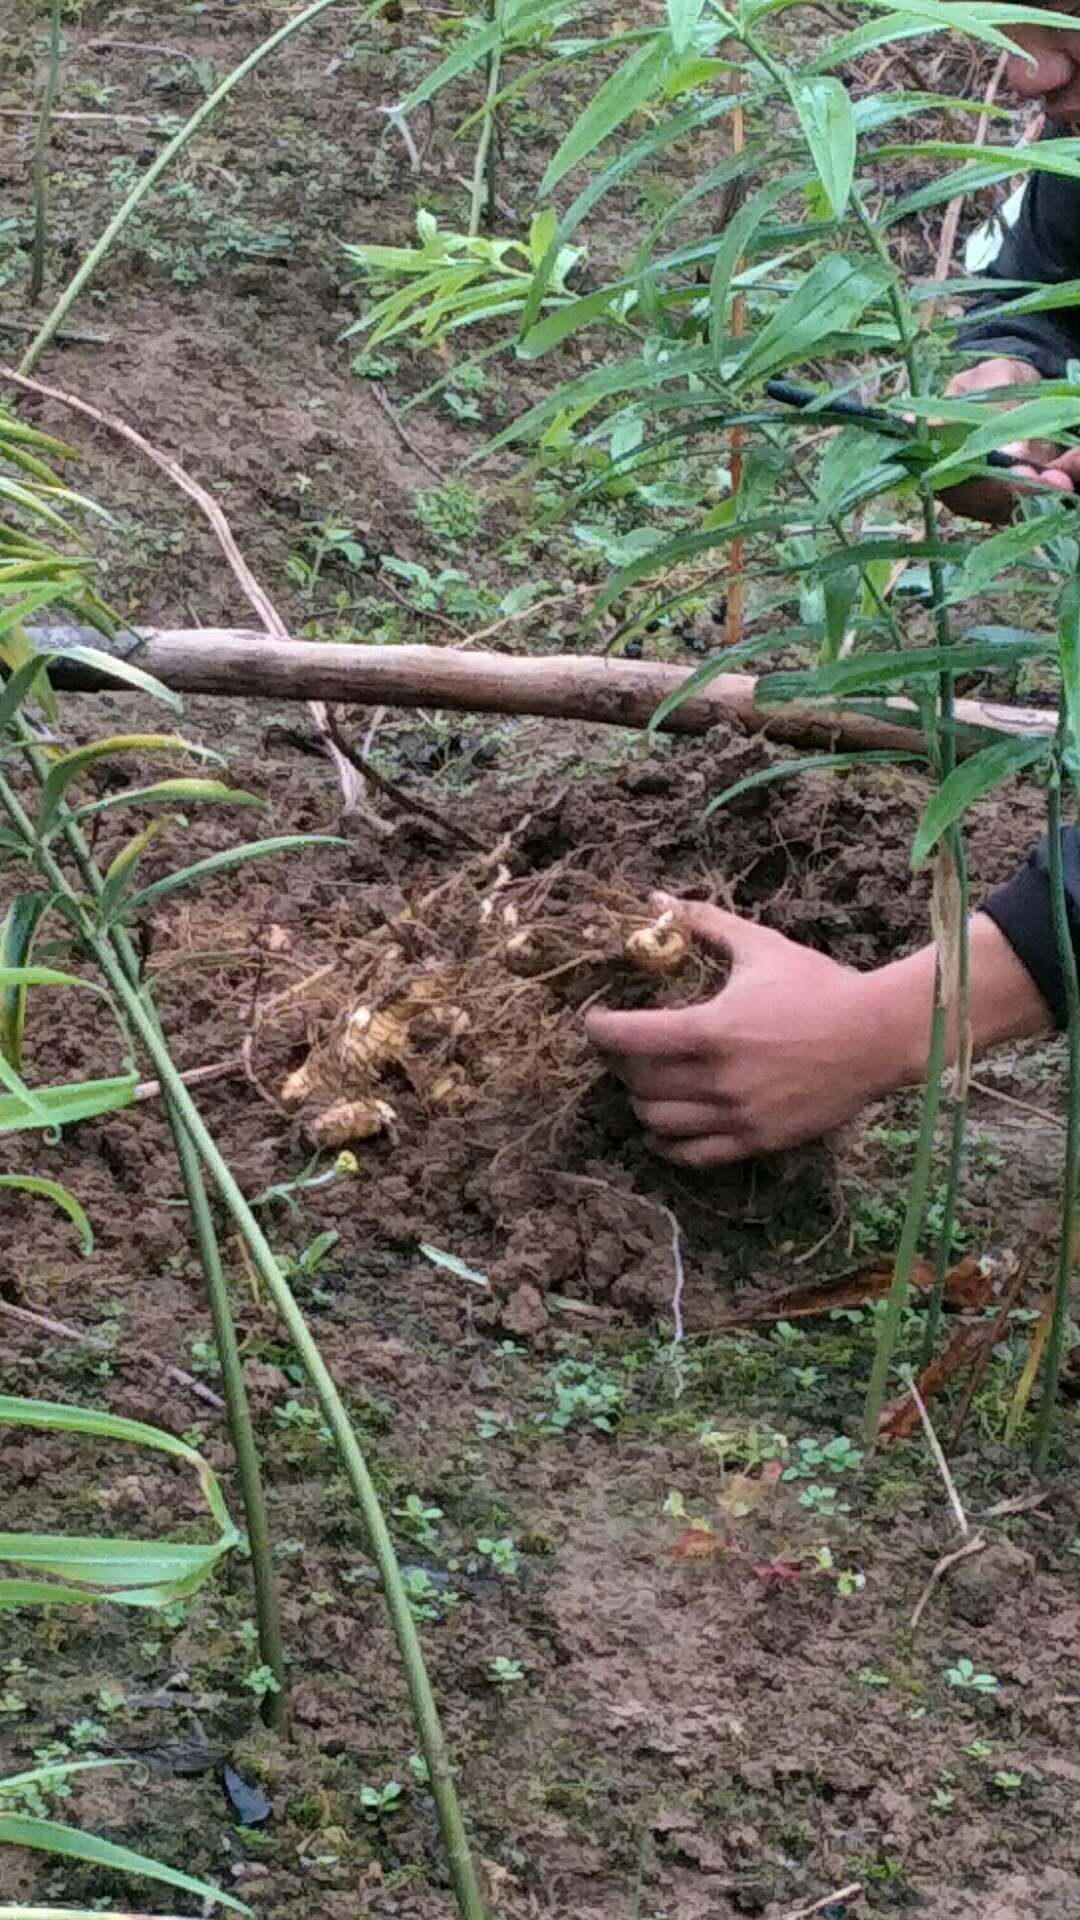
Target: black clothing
{"points": [[1043, 246]]}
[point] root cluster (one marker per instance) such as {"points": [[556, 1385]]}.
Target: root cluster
{"points": [[471, 1001]]}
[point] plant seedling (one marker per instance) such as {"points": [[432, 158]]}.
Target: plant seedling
{"points": [[504, 1672], [260, 1681], [418, 1520], [830, 1456], [501, 1553], [378, 1803], [964, 1675]]}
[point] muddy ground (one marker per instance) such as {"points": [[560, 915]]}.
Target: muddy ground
{"points": [[739, 1732]]}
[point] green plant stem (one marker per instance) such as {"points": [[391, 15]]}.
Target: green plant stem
{"points": [[462, 1870], [940, 758], [267, 1604], [163, 161], [913, 1216], [238, 1410], [940, 737], [483, 179], [957, 1143], [1055, 1344], [41, 150]]}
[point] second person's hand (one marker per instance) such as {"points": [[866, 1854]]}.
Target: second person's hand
{"points": [[994, 501]]}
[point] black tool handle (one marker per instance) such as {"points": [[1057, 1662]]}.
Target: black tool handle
{"points": [[791, 394]]}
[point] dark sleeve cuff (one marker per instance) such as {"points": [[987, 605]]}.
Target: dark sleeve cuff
{"points": [[1023, 912], [1047, 349]]}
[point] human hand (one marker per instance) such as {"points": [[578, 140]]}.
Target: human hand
{"points": [[994, 500], [795, 1043], [1052, 73], [791, 1047]]}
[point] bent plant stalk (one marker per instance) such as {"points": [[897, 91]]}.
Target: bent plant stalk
{"points": [[1055, 1345], [238, 1410], [103, 948]]}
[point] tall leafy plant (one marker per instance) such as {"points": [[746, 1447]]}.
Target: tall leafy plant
{"points": [[846, 554], [89, 913]]}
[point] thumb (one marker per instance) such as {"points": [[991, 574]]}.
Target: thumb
{"points": [[728, 932], [1053, 66]]}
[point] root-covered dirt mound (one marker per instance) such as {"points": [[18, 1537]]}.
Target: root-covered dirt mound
{"points": [[424, 1007], [660, 1732]]}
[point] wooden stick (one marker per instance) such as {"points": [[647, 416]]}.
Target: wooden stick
{"points": [[607, 691]]}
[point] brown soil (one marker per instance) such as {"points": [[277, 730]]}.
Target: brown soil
{"points": [[734, 1765], [706, 1734]]}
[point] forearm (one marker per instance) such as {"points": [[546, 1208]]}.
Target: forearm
{"points": [[1005, 1003]]}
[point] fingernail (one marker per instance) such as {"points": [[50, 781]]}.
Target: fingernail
{"points": [[662, 902]]}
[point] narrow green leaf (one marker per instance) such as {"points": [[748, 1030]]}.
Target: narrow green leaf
{"points": [[52, 1190], [685, 546], [126, 671], [811, 763], [898, 667], [181, 792], [120, 871], [17, 934], [567, 320], [16, 688], [24, 610], [107, 1562], [621, 94], [629, 161], [1030, 420], [67, 1843], [64, 1106], [475, 48], [70, 765], [991, 557], [683, 16], [734, 242], [17, 1593], [231, 857], [968, 782], [58, 1770], [980, 19], [828, 300], [710, 670], [33, 1112], [826, 117]]}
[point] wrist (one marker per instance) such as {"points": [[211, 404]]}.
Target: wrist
{"points": [[897, 1009], [898, 1006]]}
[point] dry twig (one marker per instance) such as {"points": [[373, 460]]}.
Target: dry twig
{"points": [[939, 1459], [210, 508], [62, 1331], [974, 1543], [194, 1077], [409, 802], [842, 1894], [406, 439]]}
